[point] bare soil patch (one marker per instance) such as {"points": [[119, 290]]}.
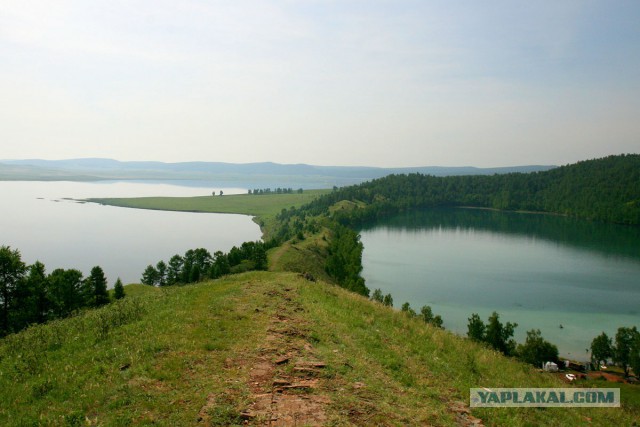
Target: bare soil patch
{"points": [[285, 380]]}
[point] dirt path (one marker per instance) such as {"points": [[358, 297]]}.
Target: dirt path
{"points": [[285, 380], [281, 381], [274, 260]]}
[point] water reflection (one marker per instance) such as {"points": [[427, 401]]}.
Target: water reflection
{"points": [[606, 239], [537, 270]]}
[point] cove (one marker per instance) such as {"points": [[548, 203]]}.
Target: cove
{"points": [[540, 271]]}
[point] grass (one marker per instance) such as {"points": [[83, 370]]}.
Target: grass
{"points": [[265, 207], [137, 290], [185, 356], [302, 256]]}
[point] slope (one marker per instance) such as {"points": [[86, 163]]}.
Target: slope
{"points": [[260, 349]]}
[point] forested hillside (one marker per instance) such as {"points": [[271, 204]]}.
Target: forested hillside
{"points": [[606, 189]]}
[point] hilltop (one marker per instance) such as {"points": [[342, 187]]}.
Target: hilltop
{"points": [[257, 347]]}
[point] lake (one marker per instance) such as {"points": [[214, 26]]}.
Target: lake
{"points": [[540, 271], [41, 220]]}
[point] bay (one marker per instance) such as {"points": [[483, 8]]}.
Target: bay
{"points": [[44, 223], [571, 279]]}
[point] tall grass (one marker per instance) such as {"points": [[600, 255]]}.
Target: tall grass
{"points": [[27, 352]]}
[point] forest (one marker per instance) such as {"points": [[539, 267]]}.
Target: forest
{"points": [[605, 190], [28, 295], [199, 264]]}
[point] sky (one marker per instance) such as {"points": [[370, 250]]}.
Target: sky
{"points": [[390, 83]]}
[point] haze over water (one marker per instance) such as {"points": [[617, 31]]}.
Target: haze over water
{"points": [[536, 270], [39, 220]]}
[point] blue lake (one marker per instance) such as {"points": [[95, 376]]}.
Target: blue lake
{"points": [[539, 271]]}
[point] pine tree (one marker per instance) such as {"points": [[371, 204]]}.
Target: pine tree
{"points": [[118, 290], [99, 287], [150, 276]]}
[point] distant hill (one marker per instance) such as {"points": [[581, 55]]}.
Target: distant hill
{"points": [[324, 176]]}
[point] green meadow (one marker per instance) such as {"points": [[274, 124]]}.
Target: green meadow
{"points": [[203, 354], [255, 205], [263, 207]]}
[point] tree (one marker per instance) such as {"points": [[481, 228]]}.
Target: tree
{"points": [[427, 315], [65, 291], [406, 308], [161, 268], [387, 300], [536, 350], [476, 328], [622, 352], [37, 285], [28, 296], [437, 321], [203, 259], [220, 265], [601, 349], [344, 262], [98, 287], [118, 290], [499, 336], [149, 276], [187, 264], [377, 296], [195, 274], [12, 271], [174, 270], [260, 257]]}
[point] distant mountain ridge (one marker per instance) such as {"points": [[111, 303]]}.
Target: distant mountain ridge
{"points": [[99, 169]]}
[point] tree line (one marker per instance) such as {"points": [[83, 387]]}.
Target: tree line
{"points": [[624, 350], [606, 189], [199, 264], [263, 191], [28, 295]]}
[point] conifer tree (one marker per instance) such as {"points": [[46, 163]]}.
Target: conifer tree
{"points": [[118, 290], [99, 287]]}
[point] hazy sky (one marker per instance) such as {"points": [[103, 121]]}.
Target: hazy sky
{"points": [[333, 82]]}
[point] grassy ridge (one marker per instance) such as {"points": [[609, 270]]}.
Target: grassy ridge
{"points": [[263, 206], [190, 356]]}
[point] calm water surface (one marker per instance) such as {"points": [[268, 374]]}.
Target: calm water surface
{"points": [[536, 270], [40, 220]]}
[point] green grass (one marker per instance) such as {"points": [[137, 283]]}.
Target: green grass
{"points": [[302, 256], [177, 356], [263, 206]]}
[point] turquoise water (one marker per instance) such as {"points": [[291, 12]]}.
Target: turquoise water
{"points": [[539, 271]]}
